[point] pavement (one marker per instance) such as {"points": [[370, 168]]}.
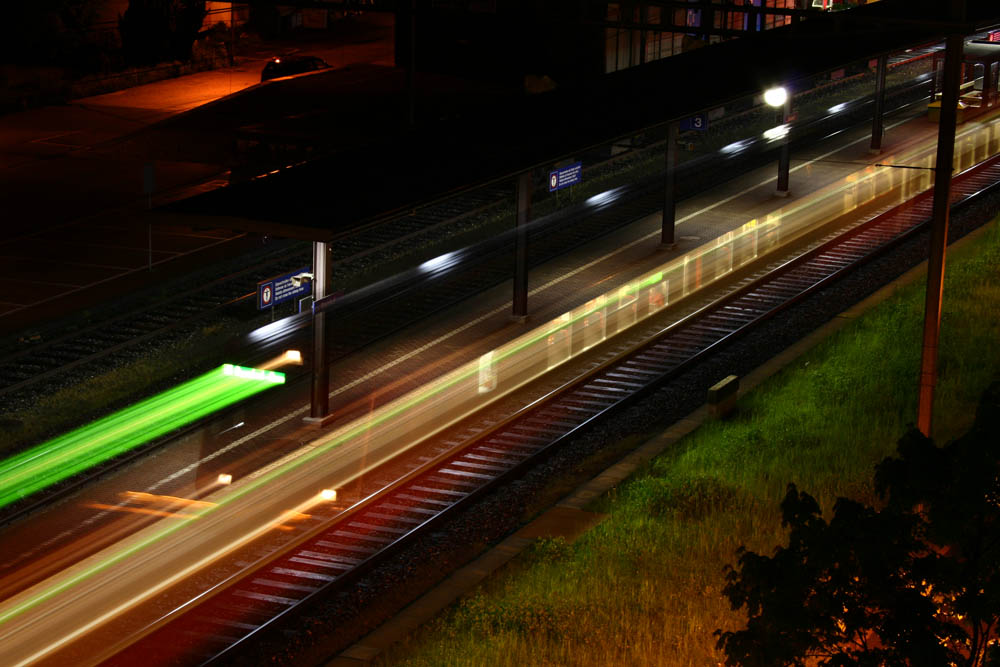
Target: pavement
{"points": [[80, 181]]}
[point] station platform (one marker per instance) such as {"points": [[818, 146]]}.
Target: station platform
{"points": [[466, 331], [270, 429]]}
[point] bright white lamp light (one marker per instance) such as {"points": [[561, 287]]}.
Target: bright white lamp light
{"points": [[775, 97]]}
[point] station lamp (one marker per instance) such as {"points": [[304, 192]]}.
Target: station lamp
{"points": [[776, 97], [779, 98]]}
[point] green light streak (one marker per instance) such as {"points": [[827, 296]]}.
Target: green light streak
{"points": [[73, 452]]}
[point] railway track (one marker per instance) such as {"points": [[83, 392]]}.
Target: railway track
{"points": [[221, 624]]}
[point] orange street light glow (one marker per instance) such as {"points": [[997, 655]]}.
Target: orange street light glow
{"points": [[142, 496], [293, 357], [141, 510]]}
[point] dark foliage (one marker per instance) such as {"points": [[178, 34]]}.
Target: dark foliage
{"points": [[836, 593], [266, 19], [46, 32], [155, 31], [915, 583]]}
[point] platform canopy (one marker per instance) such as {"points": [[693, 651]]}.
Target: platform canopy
{"points": [[396, 168]]}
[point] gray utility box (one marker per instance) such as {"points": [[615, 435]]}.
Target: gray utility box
{"points": [[722, 396]]}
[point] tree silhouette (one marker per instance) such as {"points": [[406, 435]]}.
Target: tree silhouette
{"points": [[153, 31], [955, 493], [914, 583], [55, 31]]}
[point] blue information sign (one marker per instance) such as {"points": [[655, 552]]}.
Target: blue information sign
{"points": [[277, 290], [696, 122], [565, 176]]}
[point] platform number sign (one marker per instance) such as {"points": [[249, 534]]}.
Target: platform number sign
{"points": [[565, 176], [277, 290], [697, 122]]}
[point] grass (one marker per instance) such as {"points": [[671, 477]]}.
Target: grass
{"points": [[644, 586]]}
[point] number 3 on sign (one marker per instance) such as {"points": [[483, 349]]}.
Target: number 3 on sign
{"points": [[697, 122]]}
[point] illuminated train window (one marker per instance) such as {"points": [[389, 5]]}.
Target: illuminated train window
{"points": [[659, 295], [487, 373], [558, 341], [593, 322], [627, 306]]}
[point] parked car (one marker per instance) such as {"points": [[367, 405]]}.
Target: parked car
{"points": [[288, 65]]}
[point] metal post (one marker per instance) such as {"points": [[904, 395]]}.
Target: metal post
{"points": [[784, 157], [148, 186], [411, 65], [669, 205], [521, 246], [320, 403], [642, 33], [877, 125], [989, 89], [232, 33], [994, 74], [939, 230], [934, 71]]}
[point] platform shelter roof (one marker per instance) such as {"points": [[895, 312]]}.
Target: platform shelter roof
{"points": [[392, 171]]}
